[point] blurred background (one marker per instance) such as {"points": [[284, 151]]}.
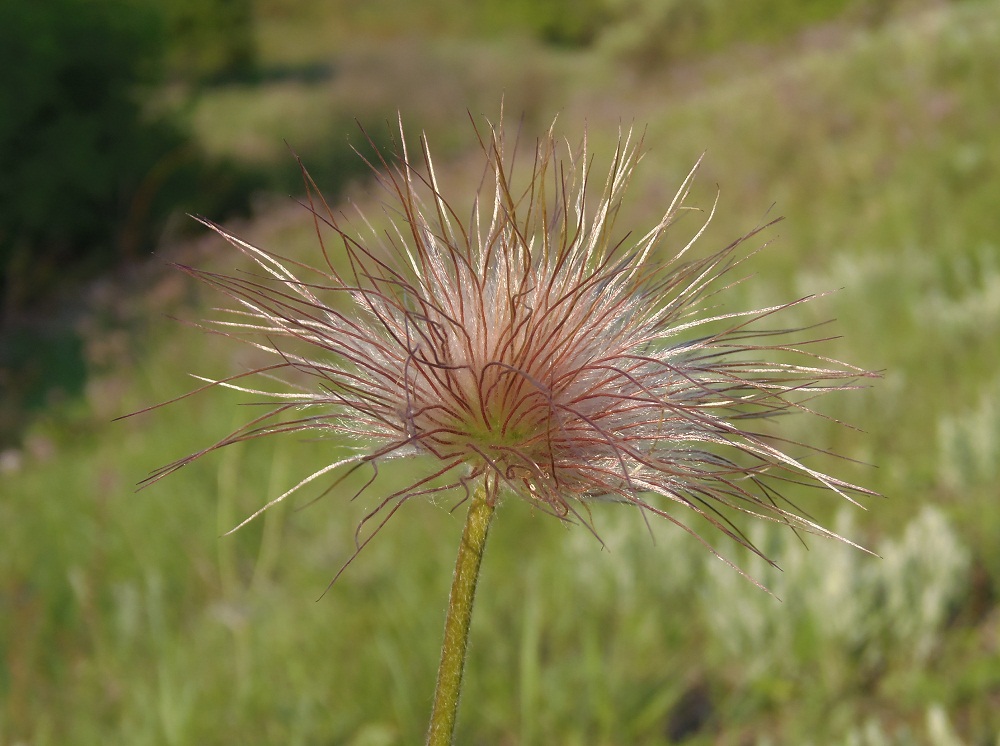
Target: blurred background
{"points": [[872, 126]]}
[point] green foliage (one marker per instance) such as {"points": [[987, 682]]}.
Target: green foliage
{"points": [[69, 131], [562, 23], [559, 22], [652, 33], [88, 173], [645, 32], [210, 39]]}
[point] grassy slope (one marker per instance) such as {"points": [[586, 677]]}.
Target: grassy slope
{"points": [[127, 620]]}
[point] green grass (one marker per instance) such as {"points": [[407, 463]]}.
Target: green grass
{"points": [[125, 618]]}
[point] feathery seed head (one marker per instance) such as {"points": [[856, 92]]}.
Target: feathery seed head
{"points": [[530, 347]]}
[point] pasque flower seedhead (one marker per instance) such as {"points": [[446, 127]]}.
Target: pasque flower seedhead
{"points": [[518, 339]]}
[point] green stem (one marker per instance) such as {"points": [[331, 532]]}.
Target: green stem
{"points": [[456, 625]]}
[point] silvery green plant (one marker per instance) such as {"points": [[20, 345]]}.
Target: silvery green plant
{"points": [[843, 619], [521, 342]]}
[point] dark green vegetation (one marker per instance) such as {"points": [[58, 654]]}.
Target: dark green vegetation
{"points": [[124, 618], [98, 160], [91, 170]]}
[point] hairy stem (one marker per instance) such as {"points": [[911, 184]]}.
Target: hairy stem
{"points": [[456, 626]]}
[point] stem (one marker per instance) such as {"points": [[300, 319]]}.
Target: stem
{"points": [[456, 625]]}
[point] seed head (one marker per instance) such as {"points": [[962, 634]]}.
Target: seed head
{"points": [[529, 346]]}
